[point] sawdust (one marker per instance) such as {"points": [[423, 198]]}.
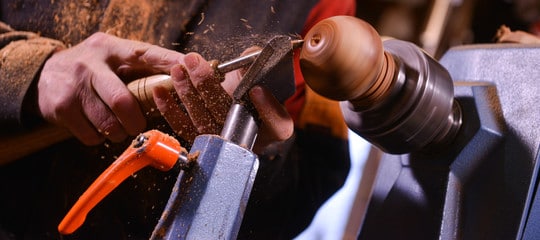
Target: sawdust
{"points": [[202, 19], [192, 157], [74, 21], [131, 19], [143, 20], [73, 28]]}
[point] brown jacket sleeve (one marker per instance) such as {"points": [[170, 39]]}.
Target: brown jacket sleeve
{"points": [[22, 54]]}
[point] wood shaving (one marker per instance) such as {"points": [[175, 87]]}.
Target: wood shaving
{"points": [[202, 19]]}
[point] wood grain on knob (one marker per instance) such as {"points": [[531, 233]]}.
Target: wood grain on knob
{"points": [[343, 59]]}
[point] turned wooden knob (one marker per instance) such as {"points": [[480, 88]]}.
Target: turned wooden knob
{"points": [[343, 59]]}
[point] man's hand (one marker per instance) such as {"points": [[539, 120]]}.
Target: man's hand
{"points": [[207, 101], [82, 88]]}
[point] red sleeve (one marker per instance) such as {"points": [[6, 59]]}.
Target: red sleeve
{"points": [[322, 10]]}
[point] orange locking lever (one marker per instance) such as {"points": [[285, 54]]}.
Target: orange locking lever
{"points": [[153, 147]]}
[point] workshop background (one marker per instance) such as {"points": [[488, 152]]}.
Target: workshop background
{"points": [[436, 25]]}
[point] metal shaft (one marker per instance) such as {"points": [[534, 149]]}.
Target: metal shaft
{"points": [[240, 126]]}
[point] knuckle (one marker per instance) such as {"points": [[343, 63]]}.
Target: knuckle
{"points": [[141, 50], [159, 56], [97, 39], [285, 134], [81, 69], [111, 129], [62, 107], [119, 101]]}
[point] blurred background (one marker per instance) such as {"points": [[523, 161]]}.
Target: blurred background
{"points": [[436, 25]]}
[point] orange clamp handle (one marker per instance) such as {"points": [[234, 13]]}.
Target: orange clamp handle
{"points": [[153, 148]]}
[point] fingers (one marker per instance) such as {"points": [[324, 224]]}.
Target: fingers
{"points": [[233, 78], [276, 123], [205, 101], [208, 86], [104, 122], [82, 88], [275, 118], [83, 130], [195, 105], [129, 56], [89, 116], [124, 116], [177, 118], [70, 115], [161, 58]]}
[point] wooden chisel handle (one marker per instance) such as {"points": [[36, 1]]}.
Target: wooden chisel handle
{"points": [[16, 146]]}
